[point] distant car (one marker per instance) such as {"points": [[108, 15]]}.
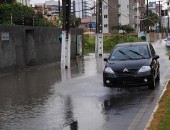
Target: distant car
{"points": [[132, 64], [168, 42]]}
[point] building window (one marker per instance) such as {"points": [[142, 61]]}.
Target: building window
{"points": [[105, 7], [105, 25], [128, 6], [105, 16]]}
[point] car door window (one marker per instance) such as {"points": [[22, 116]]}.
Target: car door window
{"points": [[152, 50]]}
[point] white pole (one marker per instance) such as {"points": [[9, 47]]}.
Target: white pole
{"points": [[99, 32], [65, 50], [100, 44], [63, 63]]}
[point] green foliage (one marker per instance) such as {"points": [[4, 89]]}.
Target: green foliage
{"points": [[153, 19], [125, 28], [18, 14], [168, 53], [108, 42], [40, 20], [89, 43], [74, 22], [59, 22]]}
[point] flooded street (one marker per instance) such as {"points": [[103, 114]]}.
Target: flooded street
{"points": [[47, 98]]}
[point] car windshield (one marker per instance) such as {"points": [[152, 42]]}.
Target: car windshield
{"points": [[168, 38], [130, 53]]}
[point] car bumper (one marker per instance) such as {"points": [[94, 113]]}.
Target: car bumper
{"points": [[127, 80]]}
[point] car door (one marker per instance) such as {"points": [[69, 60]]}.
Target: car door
{"points": [[155, 63]]}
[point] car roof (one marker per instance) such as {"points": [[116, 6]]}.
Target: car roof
{"points": [[132, 44]]}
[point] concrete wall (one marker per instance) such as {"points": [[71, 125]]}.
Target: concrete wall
{"points": [[26, 45]]}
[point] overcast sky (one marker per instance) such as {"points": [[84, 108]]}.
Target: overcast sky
{"points": [[37, 1]]}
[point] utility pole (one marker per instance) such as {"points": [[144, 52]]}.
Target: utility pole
{"points": [[66, 36], [99, 28], [160, 30], [147, 28], [82, 8], [59, 8], [168, 18], [147, 12], [160, 17], [168, 24]]}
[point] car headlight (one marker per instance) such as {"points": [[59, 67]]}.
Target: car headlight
{"points": [[108, 70], [144, 69]]}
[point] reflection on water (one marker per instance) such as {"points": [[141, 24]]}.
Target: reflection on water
{"points": [[28, 100], [124, 99], [23, 94]]}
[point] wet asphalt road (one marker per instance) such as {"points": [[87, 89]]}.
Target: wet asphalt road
{"points": [[47, 98]]}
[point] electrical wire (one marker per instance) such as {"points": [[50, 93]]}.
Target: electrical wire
{"points": [[116, 9]]}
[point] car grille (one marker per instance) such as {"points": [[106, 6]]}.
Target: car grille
{"points": [[130, 72]]}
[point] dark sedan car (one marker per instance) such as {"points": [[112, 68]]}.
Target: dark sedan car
{"points": [[132, 64]]}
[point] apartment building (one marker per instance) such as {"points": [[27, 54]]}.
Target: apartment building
{"points": [[85, 8], [121, 12], [24, 2]]}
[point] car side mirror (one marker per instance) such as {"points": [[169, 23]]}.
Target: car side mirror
{"points": [[105, 59], [165, 40], [156, 57]]}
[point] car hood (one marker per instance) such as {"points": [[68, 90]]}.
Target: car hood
{"points": [[128, 64]]}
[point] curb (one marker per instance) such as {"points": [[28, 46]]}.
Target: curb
{"points": [[156, 107]]}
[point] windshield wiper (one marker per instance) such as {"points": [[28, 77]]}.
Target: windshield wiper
{"points": [[137, 53], [125, 54]]}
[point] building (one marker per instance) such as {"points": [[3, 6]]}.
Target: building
{"points": [[121, 12], [53, 7], [24, 2], [85, 8], [88, 24], [154, 7]]}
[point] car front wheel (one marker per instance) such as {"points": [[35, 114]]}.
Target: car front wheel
{"points": [[152, 84], [158, 76]]}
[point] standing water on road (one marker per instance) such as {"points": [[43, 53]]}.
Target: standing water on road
{"points": [[47, 98]]}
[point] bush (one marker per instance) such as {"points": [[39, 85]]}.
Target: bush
{"points": [[89, 43], [108, 41]]}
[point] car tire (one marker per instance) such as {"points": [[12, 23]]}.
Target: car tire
{"points": [[158, 76], [152, 84]]}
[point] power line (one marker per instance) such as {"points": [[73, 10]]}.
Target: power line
{"points": [[116, 9]]}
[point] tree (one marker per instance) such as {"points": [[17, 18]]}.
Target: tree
{"points": [[75, 22], [59, 22], [124, 28], [7, 1], [19, 14], [153, 19]]}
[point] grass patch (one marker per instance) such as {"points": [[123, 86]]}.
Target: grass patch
{"points": [[168, 53], [108, 42], [161, 119]]}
